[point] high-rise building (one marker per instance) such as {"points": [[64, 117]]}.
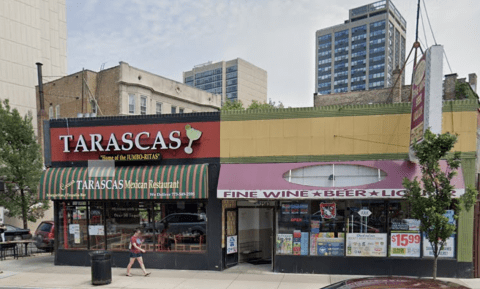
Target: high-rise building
{"points": [[236, 79], [31, 31], [362, 53]]}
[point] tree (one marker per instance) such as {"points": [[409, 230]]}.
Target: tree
{"points": [[21, 165], [270, 105], [232, 105], [432, 197], [238, 105]]}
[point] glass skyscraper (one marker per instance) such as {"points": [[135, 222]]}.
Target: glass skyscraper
{"points": [[362, 53], [236, 79]]}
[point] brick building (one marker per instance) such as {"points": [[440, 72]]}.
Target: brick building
{"points": [[121, 90], [453, 88]]}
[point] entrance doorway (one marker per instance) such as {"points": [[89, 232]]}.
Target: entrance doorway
{"points": [[255, 236]]}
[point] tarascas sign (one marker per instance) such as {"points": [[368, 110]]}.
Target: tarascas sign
{"points": [[150, 142]]}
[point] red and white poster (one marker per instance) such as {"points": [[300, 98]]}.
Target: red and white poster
{"points": [[328, 210]]}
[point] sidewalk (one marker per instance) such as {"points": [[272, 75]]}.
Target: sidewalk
{"points": [[39, 272]]}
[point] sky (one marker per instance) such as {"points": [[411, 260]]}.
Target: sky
{"points": [[168, 37]]}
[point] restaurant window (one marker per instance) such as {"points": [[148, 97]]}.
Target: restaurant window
{"points": [[158, 108], [179, 227], [96, 228], [123, 218], [72, 232], [173, 109]]}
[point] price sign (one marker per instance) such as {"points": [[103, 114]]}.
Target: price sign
{"points": [[405, 244], [364, 212]]}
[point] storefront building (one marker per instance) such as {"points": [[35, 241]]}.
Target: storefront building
{"points": [[312, 190], [328, 183], [109, 176]]}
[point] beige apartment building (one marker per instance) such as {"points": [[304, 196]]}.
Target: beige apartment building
{"points": [[122, 90], [235, 79]]}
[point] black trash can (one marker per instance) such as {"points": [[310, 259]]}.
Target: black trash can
{"points": [[101, 267]]}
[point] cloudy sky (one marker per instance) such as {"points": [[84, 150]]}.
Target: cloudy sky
{"points": [[168, 37]]}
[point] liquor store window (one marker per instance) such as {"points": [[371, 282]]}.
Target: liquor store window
{"points": [[354, 228]]}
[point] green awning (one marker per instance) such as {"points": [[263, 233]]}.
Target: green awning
{"points": [[125, 183]]}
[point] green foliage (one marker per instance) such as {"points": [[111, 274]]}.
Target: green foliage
{"points": [[20, 165], [464, 91], [232, 105], [270, 105], [238, 105], [432, 196]]}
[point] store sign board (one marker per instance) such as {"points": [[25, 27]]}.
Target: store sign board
{"points": [[364, 212], [448, 250], [147, 142], [366, 245], [319, 194], [405, 245], [418, 102], [231, 244]]}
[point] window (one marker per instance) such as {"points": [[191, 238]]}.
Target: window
{"points": [[174, 109], [158, 108], [342, 228], [131, 103], [57, 111], [50, 112], [73, 225], [94, 106], [180, 110], [143, 105], [167, 226]]}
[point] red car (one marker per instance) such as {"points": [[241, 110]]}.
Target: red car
{"points": [[45, 236]]}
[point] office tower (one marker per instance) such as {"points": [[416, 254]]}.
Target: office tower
{"points": [[236, 79], [362, 53]]}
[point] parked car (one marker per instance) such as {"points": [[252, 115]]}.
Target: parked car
{"points": [[45, 235], [181, 223], [15, 234], [393, 282]]}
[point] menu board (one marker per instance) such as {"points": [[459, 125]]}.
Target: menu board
{"points": [[284, 244], [405, 245], [448, 250], [367, 245]]}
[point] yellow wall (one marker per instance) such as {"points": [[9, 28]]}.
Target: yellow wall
{"points": [[357, 135]]}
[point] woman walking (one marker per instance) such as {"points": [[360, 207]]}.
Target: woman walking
{"points": [[136, 253]]}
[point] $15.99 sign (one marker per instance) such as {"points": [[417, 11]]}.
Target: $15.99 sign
{"points": [[405, 244]]}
